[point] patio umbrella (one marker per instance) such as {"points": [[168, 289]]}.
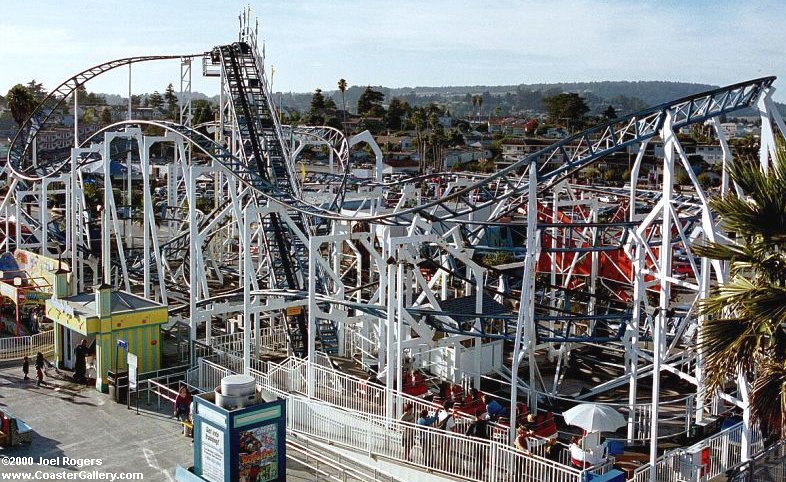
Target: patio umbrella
{"points": [[594, 418]]}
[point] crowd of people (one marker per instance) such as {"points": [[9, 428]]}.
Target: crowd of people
{"points": [[474, 415]]}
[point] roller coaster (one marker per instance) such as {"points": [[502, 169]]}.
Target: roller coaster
{"points": [[324, 259]]}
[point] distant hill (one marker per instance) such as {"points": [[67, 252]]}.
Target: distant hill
{"points": [[522, 99], [625, 96]]}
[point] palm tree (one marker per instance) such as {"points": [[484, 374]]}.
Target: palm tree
{"points": [[745, 331], [21, 103], [342, 86]]}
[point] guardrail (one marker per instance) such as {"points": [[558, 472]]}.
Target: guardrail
{"points": [[425, 447], [270, 338], [334, 466], [432, 449], [166, 389], [721, 452], [18, 347]]}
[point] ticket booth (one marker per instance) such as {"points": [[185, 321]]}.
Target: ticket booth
{"points": [[103, 317]]}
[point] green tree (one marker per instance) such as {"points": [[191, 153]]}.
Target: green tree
{"points": [[745, 329], [37, 90], [203, 111], [418, 121], [171, 102], [106, 116], [317, 101], [20, 102], [567, 107], [88, 116], [370, 103], [396, 111], [155, 100], [342, 87], [681, 177], [610, 113]]}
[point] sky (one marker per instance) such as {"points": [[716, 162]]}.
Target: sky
{"points": [[401, 43]]}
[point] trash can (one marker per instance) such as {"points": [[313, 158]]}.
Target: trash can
{"points": [[118, 385]]}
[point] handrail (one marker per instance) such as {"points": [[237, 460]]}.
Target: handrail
{"points": [[18, 347]]}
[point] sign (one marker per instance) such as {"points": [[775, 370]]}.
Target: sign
{"points": [[293, 311], [131, 360], [122, 344], [258, 454], [212, 453]]}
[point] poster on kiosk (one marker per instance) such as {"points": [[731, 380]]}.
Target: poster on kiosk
{"points": [[243, 445]]}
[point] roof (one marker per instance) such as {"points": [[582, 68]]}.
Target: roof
{"points": [[84, 304], [465, 305]]}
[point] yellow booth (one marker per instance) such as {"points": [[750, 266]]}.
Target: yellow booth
{"points": [[105, 317]]}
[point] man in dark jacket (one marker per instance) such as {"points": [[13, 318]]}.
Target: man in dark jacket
{"points": [[80, 366]]}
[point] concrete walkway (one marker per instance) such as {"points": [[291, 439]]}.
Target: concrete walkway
{"points": [[75, 422]]}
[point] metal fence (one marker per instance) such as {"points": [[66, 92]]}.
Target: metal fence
{"points": [[338, 420], [704, 460], [18, 347]]}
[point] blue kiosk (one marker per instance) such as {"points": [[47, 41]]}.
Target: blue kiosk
{"points": [[245, 444]]}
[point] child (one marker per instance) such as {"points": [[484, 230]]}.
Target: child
{"points": [[26, 368], [39, 368]]}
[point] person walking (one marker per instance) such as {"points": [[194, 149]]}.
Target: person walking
{"points": [[40, 363], [182, 410], [26, 368]]}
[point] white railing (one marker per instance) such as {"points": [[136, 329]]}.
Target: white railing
{"points": [[271, 338], [425, 447], [164, 391], [670, 467], [18, 347], [210, 375], [339, 420], [722, 452], [726, 449], [334, 466], [351, 393]]}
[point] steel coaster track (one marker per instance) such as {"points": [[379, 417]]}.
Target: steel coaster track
{"points": [[23, 140], [569, 155], [262, 143]]}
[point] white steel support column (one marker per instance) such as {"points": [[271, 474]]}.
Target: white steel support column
{"points": [[76, 216], [193, 274], [390, 358], [44, 217], [632, 336], [745, 440], [313, 252], [634, 177], [106, 228], [767, 136], [659, 321], [399, 337], [704, 291], [523, 331], [248, 272], [477, 342], [144, 158]]}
